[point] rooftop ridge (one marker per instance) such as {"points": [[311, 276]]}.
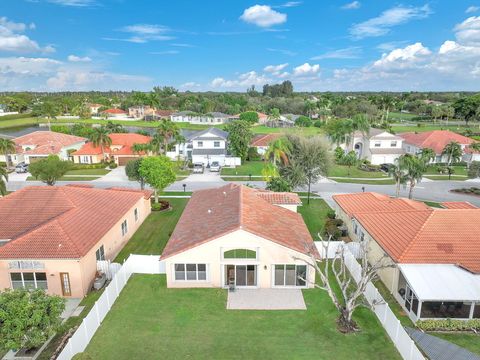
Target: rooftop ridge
{"points": [[411, 243]]}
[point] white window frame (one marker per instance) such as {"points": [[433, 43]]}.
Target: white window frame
{"points": [[377, 144], [135, 213], [185, 271], [216, 144], [100, 253], [285, 276], [200, 144], [34, 279], [393, 143], [124, 227]]}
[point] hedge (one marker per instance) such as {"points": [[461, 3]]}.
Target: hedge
{"points": [[89, 166], [15, 116], [449, 325]]}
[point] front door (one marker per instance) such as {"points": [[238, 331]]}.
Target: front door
{"points": [[65, 279], [241, 275]]}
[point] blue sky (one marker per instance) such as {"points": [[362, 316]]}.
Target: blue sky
{"points": [[230, 45]]}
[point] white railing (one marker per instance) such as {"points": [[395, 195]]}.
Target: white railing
{"points": [[140, 264], [404, 344]]}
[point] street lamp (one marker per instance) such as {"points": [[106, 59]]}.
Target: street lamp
{"points": [[184, 186]]}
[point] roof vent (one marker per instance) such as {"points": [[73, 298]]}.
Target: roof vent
{"points": [[225, 193], [209, 211]]}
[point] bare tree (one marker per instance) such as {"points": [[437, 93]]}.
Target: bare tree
{"points": [[351, 292]]}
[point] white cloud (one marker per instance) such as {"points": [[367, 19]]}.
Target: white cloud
{"points": [[282, 51], [143, 33], [352, 52], [468, 32], [403, 57], [23, 66], [289, 4], [74, 58], [263, 16], [190, 85], [275, 68], [472, 9], [75, 3], [166, 52], [13, 40], [243, 80], [306, 70], [382, 24], [90, 80], [352, 6]]}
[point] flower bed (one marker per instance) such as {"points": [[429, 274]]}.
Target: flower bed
{"points": [[162, 205], [449, 325], [468, 191]]}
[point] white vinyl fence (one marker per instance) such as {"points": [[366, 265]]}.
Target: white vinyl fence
{"points": [[140, 264], [404, 344]]}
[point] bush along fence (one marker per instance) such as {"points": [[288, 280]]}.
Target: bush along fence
{"points": [[402, 341], [135, 264]]}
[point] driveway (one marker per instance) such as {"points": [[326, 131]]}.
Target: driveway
{"points": [[266, 299], [115, 175]]}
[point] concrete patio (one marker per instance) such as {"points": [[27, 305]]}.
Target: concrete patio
{"points": [[266, 299]]}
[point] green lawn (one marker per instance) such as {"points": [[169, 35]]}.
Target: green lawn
{"points": [[175, 193], [88, 172], [153, 234], [242, 178], [458, 170], [4, 124], [342, 171], [314, 215], [149, 321], [406, 128], [366, 181], [433, 204], [247, 168], [445, 177], [70, 178], [395, 116], [312, 130]]}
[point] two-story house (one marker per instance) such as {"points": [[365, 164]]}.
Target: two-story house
{"points": [[213, 118], [378, 146], [205, 147]]}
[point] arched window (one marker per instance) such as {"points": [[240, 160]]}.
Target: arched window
{"points": [[240, 254]]}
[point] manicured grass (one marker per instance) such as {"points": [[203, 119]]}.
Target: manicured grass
{"points": [[469, 341], [242, 178], [458, 170], [149, 321], [5, 124], [401, 116], [153, 234], [433, 204], [176, 193], [312, 130], [366, 182], [247, 168], [342, 171], [70, 178], [88, 172], [394, 305], [406, 128], [314, 215], [445, 177]]}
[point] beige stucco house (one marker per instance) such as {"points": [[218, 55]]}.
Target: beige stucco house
{"points": [[52, 237], [433, 254], [241, 237]]}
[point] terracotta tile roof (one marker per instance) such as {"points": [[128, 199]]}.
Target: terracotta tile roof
{"points": [[435, 236], [264, 140], [435, 140], [458, 205], [124, 140], [213, 213], [114, 111], [47, 222], [45, 142], [164, 112], [375, 202], [280, 198]]}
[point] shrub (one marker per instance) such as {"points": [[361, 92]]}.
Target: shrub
{"points": [[331, 214], [331, 228], [89, 166], [303, 121], [161, 205], [474, 169], [253, 154], [449, 325], [339, 153], [278, 184], [112, 165], [318, 124]]}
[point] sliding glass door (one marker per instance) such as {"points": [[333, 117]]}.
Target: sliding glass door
{"points": [[241, 275], [290, 275]]}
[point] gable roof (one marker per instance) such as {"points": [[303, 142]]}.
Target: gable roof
{"points": [[114, 111], [374, 133], [212, 130], [213, 213], [124, 140], [264, 140], [60, 222], [435, 236], [374, 202], [435, 140], [46, 142]]}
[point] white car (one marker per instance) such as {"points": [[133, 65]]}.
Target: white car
{"points": [[198, 168], [215, 166]]}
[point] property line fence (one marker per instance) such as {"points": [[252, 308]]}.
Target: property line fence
{"points": [[138, 264], [403, 342]]}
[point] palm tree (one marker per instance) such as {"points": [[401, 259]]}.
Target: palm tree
{"points": [[398, 173], [3, 180], [278, 151], [274, 116], [350, 159], [140, 148], [100, 137], [427, 155], [339, 132], [168, 130], [7, 147], [453, 150], [415, 168]]}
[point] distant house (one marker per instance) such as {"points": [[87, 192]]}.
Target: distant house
{"points": [[39, 144], [241, 237], [433, 254], [205, 147], [140, 112], [262, 118], [94, 108], [437, 140], [52, 236], [120, 151], [115, 113], [211, 118], [261, 142], [378, 146]]}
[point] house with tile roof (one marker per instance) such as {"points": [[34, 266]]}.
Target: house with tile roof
{"points": [[433, 253], [261, 142], [120, 151], [39, 144], [52, 236], [211, 118], [413, 143], [115, 113], [378, 146], [241, 237]]}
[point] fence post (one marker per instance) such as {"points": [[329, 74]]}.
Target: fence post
{"points": [[108, 298], [385, 313], [116, 286], [397, 331], [84, 324], [96, 312]]}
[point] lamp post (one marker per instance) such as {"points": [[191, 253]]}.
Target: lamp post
{"points": [[184, 186]]}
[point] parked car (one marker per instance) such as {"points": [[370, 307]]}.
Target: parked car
{"points": [[21, 168], [198, 168], [215, 166], [386, 167]]}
